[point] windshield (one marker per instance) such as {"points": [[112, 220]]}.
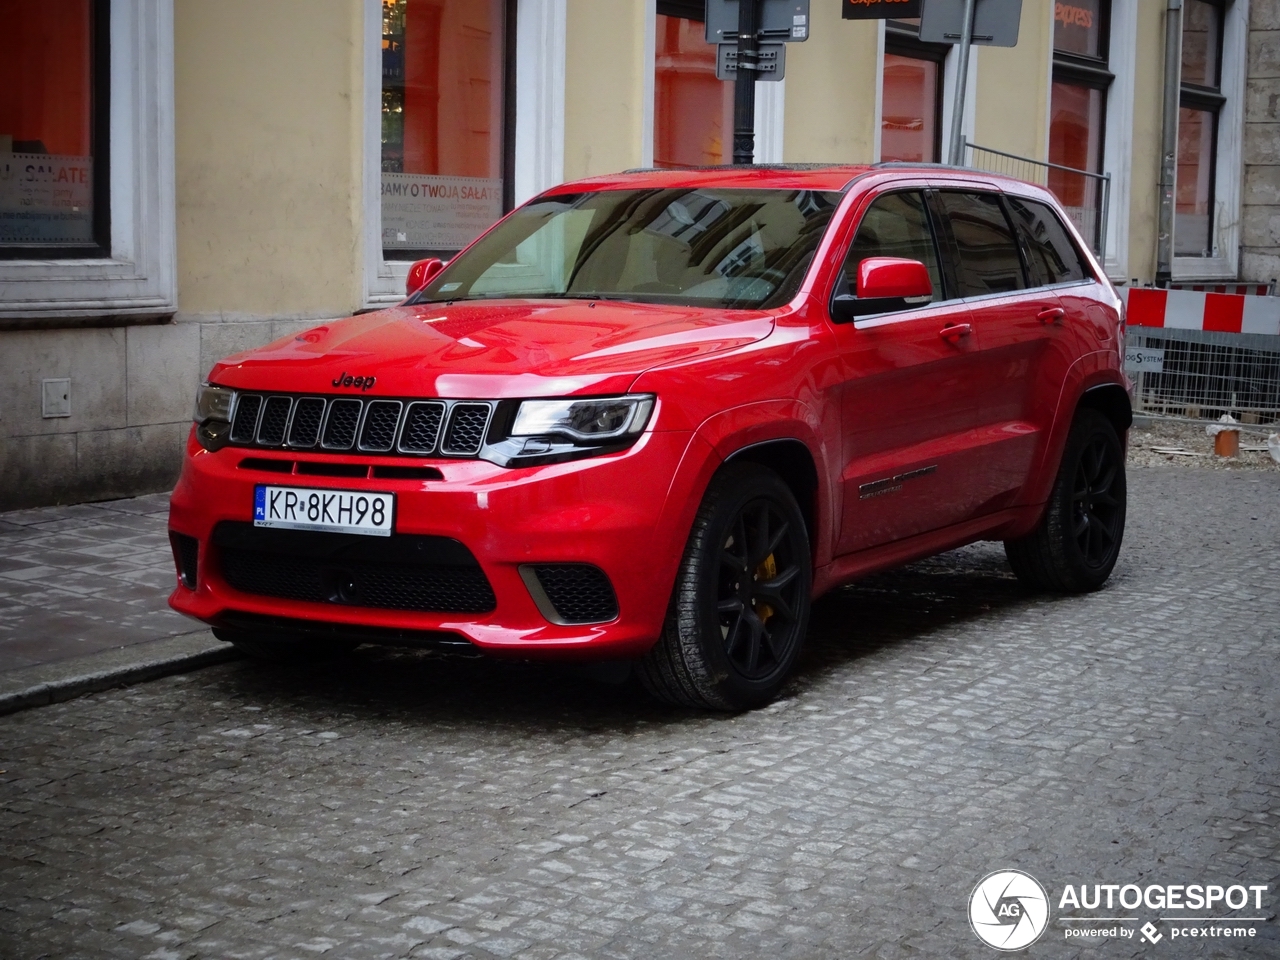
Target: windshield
{"points": [[704, 247]]}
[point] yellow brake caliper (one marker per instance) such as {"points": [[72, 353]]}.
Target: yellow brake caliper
{"points": [[766, 571]]}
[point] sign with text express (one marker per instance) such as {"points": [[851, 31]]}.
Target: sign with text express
{"points": [[421, 212], [879, 9], [995, 22]]}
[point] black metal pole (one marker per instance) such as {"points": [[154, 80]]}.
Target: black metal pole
{"points": [[744, 86]]}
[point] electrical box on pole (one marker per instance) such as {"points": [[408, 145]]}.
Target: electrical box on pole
{"points": [[750, 35]]}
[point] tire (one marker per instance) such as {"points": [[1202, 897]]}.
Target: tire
{"points": [[282, 648], [1075, 547], [731, 638]]}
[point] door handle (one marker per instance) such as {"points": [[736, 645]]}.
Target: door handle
{"points": [[1052, 315], [954, 331]]}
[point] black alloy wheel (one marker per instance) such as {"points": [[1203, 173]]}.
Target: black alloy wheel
{"points": [[740, 607], [756, 598], [1076, 545], [1097, 516]]}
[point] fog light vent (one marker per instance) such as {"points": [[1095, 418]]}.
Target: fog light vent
{"points": [[571, 593], [186, 554]]}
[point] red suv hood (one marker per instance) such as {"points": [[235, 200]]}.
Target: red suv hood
{"points": [[512, 348]]}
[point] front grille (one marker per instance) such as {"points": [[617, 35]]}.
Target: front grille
{"points": [[579, 592], [308, 414], [379, 432], [186, 553], [416, 428], [245, 426], [466, 428], [340, 428], [401, 572], [274, 420]]}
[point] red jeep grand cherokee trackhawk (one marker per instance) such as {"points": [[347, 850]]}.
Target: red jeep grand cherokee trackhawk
{"points": [[650, 416]]}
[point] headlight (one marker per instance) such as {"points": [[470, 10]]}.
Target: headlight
{"points": [[213, 403], [555, 431], [593, 421]]}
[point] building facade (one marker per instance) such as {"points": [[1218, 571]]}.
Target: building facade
{"points": [[181, 179]]}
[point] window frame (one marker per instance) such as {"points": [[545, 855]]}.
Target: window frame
{"points": [[1211, 100], [902, 39], [99, 149], [1091, 73], [136, 283], [535, 115], [509, 30]]}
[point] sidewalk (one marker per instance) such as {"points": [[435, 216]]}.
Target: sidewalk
{"points": [[83, 601]]}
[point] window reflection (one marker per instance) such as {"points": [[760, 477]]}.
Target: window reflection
{"points": [[908, 125], [693, 111], [1194, 199]]}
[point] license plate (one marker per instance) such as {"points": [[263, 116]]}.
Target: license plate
{"points": [[333, 511]]}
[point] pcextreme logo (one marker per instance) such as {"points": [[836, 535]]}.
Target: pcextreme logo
{"points": [[1009, 910]]}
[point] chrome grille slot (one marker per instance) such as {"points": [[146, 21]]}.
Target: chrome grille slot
{"points": [[308, 414], [275, 418], [340, 425], [421, 427], [465, 433], [245, 425], [378, 435]]}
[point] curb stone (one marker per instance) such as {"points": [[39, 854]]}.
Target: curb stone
{"points": [[137, 663]]}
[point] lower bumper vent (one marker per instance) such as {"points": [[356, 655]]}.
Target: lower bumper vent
{"points": [[401, 572], [571, 593], [186, 554]]}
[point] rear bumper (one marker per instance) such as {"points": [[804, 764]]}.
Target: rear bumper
{"points": [[627, 514]]}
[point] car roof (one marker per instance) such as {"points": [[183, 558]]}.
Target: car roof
{"points": [[836, 177]]}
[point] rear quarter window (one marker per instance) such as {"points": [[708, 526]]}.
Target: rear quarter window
{"points": [[1054, 257]]}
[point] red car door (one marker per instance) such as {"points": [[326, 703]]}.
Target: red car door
{"points": [[1018, 321], [910, 392], [1029, 339]]}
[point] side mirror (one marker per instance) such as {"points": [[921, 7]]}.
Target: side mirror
{"points": [[885, 284], [422, 273]]}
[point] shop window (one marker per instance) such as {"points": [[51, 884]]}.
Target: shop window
{"points": [[1200, 103], [1078, 108], [54, 115], [911, 95], [446, 137], [693, 111]]}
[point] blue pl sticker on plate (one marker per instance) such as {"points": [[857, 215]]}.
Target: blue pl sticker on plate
{"points": [[259, 503]]}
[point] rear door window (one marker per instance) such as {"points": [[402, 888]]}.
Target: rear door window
{"points": [[1054, 258], [895, 225], [987, 254]]}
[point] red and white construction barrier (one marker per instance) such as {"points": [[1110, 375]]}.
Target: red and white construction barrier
{"points": [[1242, 289], [1201, 310]]}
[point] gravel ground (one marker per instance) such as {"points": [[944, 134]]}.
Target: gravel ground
{"points": [[1149, 433]]}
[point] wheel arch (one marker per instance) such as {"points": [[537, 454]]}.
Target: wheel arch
{"points": [[1112, 401], [793, 462]]}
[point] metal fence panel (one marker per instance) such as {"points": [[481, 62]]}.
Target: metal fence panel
{"points": [[1206, 374], [1085, 196]]}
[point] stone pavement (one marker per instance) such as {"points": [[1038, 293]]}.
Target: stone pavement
{"points": [[80, 580], [942, 725]]}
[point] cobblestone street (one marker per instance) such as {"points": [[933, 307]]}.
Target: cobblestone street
{"points": [[943, 724]]}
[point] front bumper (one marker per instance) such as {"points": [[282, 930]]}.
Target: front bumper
{"points": [[626, 513]]}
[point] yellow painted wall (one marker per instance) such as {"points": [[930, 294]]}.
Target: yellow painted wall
{"points": [[268, 157], [1012, 105], [1148, 96], [831, 90], [604, 86]]}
